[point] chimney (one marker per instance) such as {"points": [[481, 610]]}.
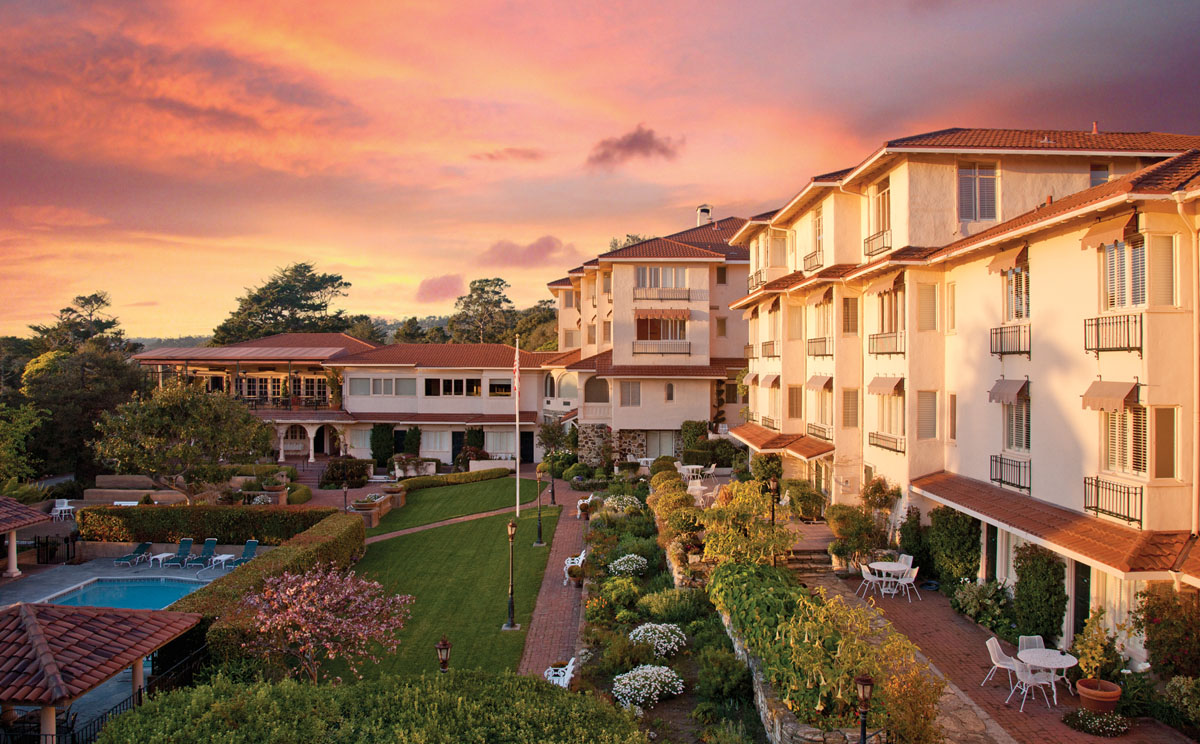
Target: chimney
{"points": [[703, 214], [1049, 199], [1095, 127]]}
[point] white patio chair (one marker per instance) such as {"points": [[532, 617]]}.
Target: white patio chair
{"points": [[906, 559], [62, 510], [908, 583], [1028, 680], [1027, 642], [870, 582], [1000, 660], [710, 473], [561, 676]]}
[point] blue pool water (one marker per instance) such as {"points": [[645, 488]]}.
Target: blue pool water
{"points": [[130, 594]]}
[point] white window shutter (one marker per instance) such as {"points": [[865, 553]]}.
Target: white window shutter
{"points": [[1137, 445], [987, 193], [795, 401], [927, 414], [926, 307], [850, 408], [966, 193], [1137, 271], [1162, 271]]}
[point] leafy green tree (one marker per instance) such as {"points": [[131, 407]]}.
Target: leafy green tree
{"points": [[383, 444], [16, 428], [409, 332], [366, 329], [83, 320], [551, 436], [412, 440], [15, 353], [536, 325], [483, 314], [179, 435], [294, 299], [628, 240], [436, 335]]}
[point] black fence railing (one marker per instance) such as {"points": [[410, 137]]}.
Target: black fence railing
{"points": [[1009, 471], [1113, 333], [821, 431], [770, 423], [878, 243], [770, 349], [53, 549], [886, 343], [886, 441], [822, 346], [756, 279], [1113, 499], [750, 352], [814, 260], [1012, 339]]}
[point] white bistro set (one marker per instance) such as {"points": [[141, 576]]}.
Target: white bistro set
{"points": [[889, 578], [1036, 667]]}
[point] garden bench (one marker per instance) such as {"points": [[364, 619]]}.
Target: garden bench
{"points": [[575, 560], [588, 500], [561, 676]]}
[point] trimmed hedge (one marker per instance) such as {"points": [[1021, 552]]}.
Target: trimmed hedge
{"points": [[353, 473], [259, 471], [299, 494], [453, 479], [270, 525], [662, 464]]}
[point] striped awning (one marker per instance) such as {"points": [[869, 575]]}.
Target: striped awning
{"points": [[883, 283], [816, 298], [664, 314], [750, 379]]}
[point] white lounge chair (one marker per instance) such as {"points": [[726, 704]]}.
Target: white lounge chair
{"points": [[1028, 680], [561, 676], [575, 560], [1000, 660], [908, 583]]}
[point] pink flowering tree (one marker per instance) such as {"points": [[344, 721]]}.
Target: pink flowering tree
{"points": [[325, 614]]}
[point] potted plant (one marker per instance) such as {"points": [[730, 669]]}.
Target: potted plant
{"points": [[576, 574], [585, 508], [1097, 651]]}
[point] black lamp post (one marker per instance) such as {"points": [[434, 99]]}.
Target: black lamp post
{"points": [[512, 533], [551, 473], [773, 487], [865, 684], [443, 652], [345, 505], [538, 543]]}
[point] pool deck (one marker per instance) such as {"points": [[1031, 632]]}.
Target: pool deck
{"points": [[42, 584]]}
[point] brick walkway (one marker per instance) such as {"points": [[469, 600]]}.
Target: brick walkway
{"points": [[956, 646], [443, 523], [554, 627]]}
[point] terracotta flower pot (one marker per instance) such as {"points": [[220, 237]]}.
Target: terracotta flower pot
{"points": [[1098, 695]]}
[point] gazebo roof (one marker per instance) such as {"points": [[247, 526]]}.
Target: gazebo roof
{"points": [[14, 515], [53, 653]]}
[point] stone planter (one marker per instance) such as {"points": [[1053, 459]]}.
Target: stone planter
{"points": [[1097, 695]]}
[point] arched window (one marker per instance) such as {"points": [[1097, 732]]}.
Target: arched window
{"points": [[568, 387], [549, 386], [595, 390], [670, 392], [296, 431]]}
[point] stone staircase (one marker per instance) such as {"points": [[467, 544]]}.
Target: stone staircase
{"points": [[809, 563], [308, 473]]}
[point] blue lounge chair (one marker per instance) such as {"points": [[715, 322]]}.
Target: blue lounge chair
{"points": [[247, 553], [210, 547], [181, 555], [139, 554]]}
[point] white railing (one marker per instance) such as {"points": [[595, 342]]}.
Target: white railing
{"points": [[597, 410]]}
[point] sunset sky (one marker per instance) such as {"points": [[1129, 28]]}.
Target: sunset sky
{"points": [[174, 153]]}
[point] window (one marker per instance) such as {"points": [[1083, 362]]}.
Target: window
{"points": [[595, 390], [548, 386], [1016, 293], [795, 401], [358, 386], [659, 443], [891, 310], [606, 282], [926, 307], [569, 299], [720, 328], [381, 386], [850, 316], [275, 384], [315, 387], [607, 326], [823, 406], [1125, 273], [868, 473], [722, 275], [881, 207], [661, 329], [433, 387], [591, 333], [670, 392], [648, 276], [952, 424], [849, 408], [1099, 174], [360, 438], [818, 228], [406, 386], [453, 387], [1016, 426], [1164, 443], [951, 308], [795, 323], [500, 388], [731, 393], [976, 191], [823, 319], [1125, 440], [435, 441], [498, 442], [891, 414], [926, 414], [1162, 270], [631, 394], [674, 277]]}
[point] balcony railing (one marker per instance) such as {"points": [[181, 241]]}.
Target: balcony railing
{"points": [[750, 352], [1012, 339], [1113, 499], [1113, 333], [751, 417], [886, 343], [821, 431], [886, 441], [756, 279], [814, 260], [284, 403], [820, 346], [662, 293], [1009, 471], [878, 243], [597, 410], [770, 349], [770, 423], [662, 347]]}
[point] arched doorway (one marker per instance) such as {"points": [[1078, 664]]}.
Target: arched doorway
{"points": [[326, 441], [295, 441]]}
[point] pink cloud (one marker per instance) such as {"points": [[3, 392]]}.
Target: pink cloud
{"points": [[440, 288], [546, 250], [49, 216], [640, 143], [510, 153]]}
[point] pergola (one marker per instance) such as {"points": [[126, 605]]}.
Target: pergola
{"points": [[13, 516], [50, 655]]}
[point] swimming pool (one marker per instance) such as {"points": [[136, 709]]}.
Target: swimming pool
{"points": [[130, 594]]}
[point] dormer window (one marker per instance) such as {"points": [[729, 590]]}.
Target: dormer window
{"points": [[976, 192], [1099, 175]]}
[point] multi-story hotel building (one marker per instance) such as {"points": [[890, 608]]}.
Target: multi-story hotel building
{"points": [[1002, 322], [647, 341]]}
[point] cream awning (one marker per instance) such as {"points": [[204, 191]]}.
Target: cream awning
{"points": [[817, 382], [770, 381], [1008, 391], [1105, 395], [1008, 260], [883, 283], [885, 385], [1107, 231], [816, 298], [750, 379], [749, 313]]}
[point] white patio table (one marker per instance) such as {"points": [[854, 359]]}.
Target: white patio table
{"points": [[645, 462], [890, 571], [160, 557], [691, 472], [222, 559], [1058, 662]]}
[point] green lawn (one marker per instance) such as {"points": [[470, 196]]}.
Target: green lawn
{"points": [[435, 504], [459, 577]]}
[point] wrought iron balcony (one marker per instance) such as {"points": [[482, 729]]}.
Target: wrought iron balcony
{"points": [[770, 423], [751, 417], [662, 293], [886, 343], [1009, 471], [770, 349], [820, 431], [1113, 333], [880, 242], [662, 347], [756, 280], [750, 352], [820, 346], [814, 260], [1012, 339], [886, 441], [1113, 499]]}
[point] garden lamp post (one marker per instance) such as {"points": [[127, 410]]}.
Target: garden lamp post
{"points": [[865, 685], [552, 501], [512, 533], [538, 543], [345, 488], [443, 652]]}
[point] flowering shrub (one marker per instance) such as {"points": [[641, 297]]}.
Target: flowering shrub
{"points": [[1169, 620], [646, 685], [261, 500], [597, 610], [665, 638], [1097, 724], [628, 565], [622, 502], [1184, 694]]}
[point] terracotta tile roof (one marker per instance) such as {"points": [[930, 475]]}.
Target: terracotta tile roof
{"points": [[464, 356], [662, 248], [602, 365], [570, 414], [51, 653], [527, 417], [1049, 139], [713, 236], [1121, 548], [564, 282], [576, 270], [590, 364], [14, 515], [1160, 178], [1190, 565], [809, 448], [765, 216], [784, 282], [303, 340], [762, 438], [832, 176], [243, 354], [730, 363], [302, 415], [562, 358], [591, 262]]}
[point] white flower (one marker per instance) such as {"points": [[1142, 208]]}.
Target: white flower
{"points": [[261, 500], [628, 565], [646, 685], [622, 502], [665, 638]]}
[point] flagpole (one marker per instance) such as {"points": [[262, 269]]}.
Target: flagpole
{"points": [[517, 418]]}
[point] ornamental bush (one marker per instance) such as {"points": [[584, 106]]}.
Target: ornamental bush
{"points": [[383, 444], [913, 541], [693, 433], [462, 706], [1169, 620], [696, 457], [1097, 724], [879, 495], [1184, 694], [578, 470], [805, 500], [667, 639], [270, 525], [953, 539], [662, 464], [658, 480], [675, 605], [766, 467], [622, 502], [347, 470], [453, 479], [646, 685], [1039, 596], [628, 565], [299, 494]]}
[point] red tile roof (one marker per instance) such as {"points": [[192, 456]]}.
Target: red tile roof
{"points": [[1121, 548], [312, 416], [809, 448], [50, 654], [14, 515], [465, 356], [1049, 139], [832, 176], [662, 248], [714, 236], [564, 282], [602, 365], [562, 358], [762, 438], [303, 340]]}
